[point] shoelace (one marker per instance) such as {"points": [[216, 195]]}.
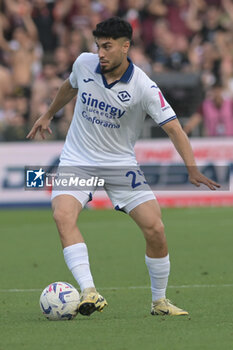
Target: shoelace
{"points": [[167, 302]]}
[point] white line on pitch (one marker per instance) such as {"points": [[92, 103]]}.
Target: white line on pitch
{"points": [[174, 287], [129, 287]]}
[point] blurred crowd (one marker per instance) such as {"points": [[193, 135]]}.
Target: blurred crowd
{"points": [[40, 39]]}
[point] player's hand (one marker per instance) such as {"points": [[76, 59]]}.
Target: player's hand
{"points": [[41, 126], [197, 178]]}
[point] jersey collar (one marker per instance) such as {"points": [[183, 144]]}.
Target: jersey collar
{"points": [[126, 77]]}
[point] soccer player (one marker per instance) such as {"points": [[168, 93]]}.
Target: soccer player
{"points": [[113, 98]]}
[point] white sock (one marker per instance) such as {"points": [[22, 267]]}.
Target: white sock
{"points": [[76, 258], [159, 269]]}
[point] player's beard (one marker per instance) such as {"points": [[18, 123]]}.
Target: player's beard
{"points": [[111, 69]]}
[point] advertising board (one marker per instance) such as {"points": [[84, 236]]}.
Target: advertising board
{"points": [[158, 159]]}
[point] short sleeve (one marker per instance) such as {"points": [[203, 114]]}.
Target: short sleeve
{"points": [[156, 105]]}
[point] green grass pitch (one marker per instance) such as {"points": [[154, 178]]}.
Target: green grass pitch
{"points": [[200, 244]]}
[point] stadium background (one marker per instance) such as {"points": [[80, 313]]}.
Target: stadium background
{"points": [[187, 47]]}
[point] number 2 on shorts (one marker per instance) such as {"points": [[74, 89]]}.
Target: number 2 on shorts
{"points": [[134, 182]]}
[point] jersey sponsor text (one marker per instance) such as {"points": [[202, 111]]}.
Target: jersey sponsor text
{"points": [[88, 100]]}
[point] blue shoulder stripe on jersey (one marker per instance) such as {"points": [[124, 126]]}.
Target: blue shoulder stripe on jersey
{"points": [[126, 77], [168, 120]]}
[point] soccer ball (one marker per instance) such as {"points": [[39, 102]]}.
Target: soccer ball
{"points": [[59, 301]]}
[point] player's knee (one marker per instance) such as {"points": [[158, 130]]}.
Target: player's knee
{"points": [[154, 230], [62, 216]]}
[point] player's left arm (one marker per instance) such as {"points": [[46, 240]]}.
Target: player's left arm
{"points": [[182, 145]]}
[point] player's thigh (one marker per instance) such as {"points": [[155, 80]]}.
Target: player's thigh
{"points": [[148, 216]]}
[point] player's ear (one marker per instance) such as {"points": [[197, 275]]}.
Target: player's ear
{"points": [[125, 46]]}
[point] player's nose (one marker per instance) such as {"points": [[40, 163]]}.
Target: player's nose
{"points": [[101, 53]]}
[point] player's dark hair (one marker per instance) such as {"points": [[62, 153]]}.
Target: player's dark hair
{"points": [[114, 28]]}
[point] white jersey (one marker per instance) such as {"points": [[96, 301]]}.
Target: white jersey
{"points": [[108, 119]]}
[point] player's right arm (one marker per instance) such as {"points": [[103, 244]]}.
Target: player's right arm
{"points": [[64, 95], [160, 110]]}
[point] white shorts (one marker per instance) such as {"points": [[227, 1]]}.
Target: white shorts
{"points": [[126, 187]]}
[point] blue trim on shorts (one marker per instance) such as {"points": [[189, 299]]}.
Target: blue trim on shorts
{"points": [[120, 209]]}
